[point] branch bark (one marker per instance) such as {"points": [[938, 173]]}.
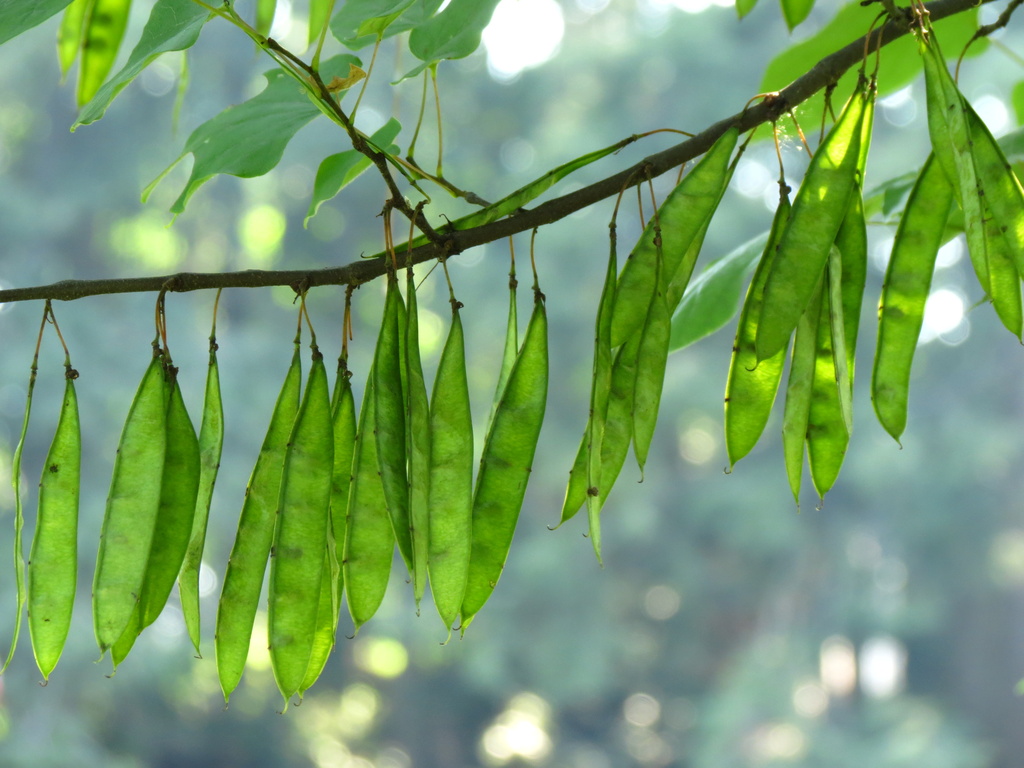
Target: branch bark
{"points": [[827, 71]]}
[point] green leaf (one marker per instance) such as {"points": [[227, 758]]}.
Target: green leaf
{"points": [[1017, 98], [1012, 145], [318, 17], [356, 28], [265, 10], [174, 25], [17, 16], [516, 200], [743, 7], [795, 11], [454, 33], [338, 170], [900, 63], [360, 22], [713, 297], [249, 139], [887, 199]]}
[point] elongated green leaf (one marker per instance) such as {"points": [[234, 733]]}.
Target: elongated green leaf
{"points": [[17, 16], [743, 7], [712, 299], [339, 170], [454, 33], [174, 25], [513, 202], [249, 139], [795, 11]]}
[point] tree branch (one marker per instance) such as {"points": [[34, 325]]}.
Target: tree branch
{"points": [[447, 243]]}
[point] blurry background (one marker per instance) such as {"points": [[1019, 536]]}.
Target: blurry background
{"points": [[726, 628]]}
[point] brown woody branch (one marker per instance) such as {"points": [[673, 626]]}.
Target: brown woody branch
{"points": [[443, 244]]}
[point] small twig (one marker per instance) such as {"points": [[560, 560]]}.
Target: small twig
{"points": [[987, 29]]}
